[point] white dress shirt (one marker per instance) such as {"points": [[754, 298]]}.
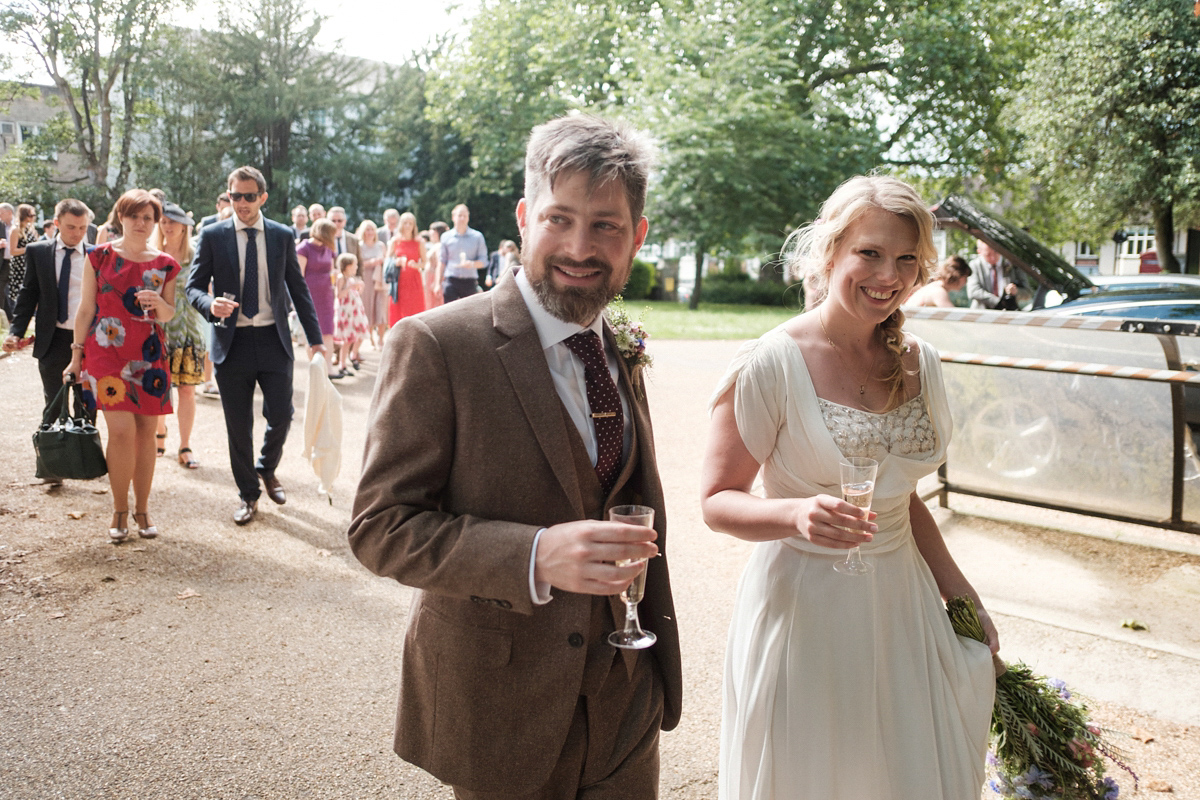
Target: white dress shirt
{"points": [[75, 289], [264, 316], [568, 373]]}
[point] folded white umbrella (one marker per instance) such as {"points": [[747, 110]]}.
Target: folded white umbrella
{"points": [[323, 425]]}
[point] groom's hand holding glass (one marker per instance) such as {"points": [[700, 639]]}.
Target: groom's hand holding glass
{"points": [[582, 556]]}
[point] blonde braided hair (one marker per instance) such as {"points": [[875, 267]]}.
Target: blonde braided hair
{"points": [[810, 251]]}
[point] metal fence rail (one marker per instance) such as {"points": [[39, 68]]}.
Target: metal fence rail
{"points": [[1174, 376]]}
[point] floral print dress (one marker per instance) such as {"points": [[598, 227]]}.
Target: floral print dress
{"points": [[124, 358]]}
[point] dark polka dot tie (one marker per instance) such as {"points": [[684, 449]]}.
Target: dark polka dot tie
{"points": [[605, 403]]}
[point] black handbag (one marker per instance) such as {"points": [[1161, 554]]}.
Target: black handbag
{"points": [[67, 448]]}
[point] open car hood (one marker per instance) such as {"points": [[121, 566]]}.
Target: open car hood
{"points": [[1029, 255]]}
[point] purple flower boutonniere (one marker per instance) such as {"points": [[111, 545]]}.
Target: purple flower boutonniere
{"points": [[631, 342]]}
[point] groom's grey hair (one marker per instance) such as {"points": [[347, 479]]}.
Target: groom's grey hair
{"points": [[606, 150]]}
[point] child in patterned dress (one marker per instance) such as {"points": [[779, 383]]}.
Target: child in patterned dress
{"points": [[350, 320]]}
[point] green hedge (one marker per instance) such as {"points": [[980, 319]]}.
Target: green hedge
{"points": [[641, 281], [740, 290]]}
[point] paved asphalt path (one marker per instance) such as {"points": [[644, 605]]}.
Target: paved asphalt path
{"points": [[263, 662]]}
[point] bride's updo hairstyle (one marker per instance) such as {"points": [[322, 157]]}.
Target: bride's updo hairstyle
{"points": [[809, 252]]}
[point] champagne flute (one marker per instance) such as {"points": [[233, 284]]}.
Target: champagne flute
{"points": [[148, 306], [858, 486], [632, 637], [222, 322]]}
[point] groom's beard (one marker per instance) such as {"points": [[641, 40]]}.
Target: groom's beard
{"points": [[573, 303]]}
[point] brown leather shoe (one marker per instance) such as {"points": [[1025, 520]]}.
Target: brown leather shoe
{"points": [[245, 512], [274, 488]]}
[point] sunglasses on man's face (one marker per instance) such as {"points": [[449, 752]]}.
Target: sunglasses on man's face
{"points": [[249, 197]]}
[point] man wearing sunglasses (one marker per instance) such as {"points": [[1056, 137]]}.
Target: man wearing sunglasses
{"points": [[251, 262]]}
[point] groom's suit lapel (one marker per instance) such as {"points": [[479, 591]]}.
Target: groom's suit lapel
{"points": [[529, 375]]}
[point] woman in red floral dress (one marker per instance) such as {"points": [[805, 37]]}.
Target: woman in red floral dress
{"points": [[119, 353]]}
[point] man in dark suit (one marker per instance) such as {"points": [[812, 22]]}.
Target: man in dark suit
{"points": [[253, 259], [222, 204], [50, 295], [509, 687]]}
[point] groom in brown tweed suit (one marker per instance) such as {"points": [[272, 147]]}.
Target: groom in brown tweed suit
{"points": [[481, 488]]}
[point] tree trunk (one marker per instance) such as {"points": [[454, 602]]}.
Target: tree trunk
{"points": [[694, 302], [1164, 236]]}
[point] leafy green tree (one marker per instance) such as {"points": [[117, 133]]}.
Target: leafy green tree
{"points": [[763, 108], [1110, 113], [92, 51], [278, 95]]}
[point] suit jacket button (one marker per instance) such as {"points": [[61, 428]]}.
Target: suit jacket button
{"points": [[575, 640]]}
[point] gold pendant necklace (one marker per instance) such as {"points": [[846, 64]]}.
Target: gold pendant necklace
{"points": [[862, 387]]}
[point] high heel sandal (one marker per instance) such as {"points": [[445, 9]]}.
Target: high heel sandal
{"points": [[187, 459], [146, 530], [162, 437], [118, 533]]}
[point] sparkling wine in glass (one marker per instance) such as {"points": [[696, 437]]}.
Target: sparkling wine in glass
{"points": [[633, 637], [858, 486], [223, 321], [148, 307]]}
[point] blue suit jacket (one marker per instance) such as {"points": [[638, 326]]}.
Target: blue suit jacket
{"points": [[216, 260]]}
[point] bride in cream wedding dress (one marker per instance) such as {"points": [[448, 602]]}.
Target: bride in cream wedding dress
{"points": [[843, 687]]}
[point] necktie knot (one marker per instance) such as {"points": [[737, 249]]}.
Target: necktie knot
{"points": [[586, 345]]}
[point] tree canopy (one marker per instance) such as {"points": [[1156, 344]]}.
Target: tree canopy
{"points": [[1110, 114]]}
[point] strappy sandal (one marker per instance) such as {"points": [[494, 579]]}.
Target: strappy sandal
{"points": [[185, 458], [118, 532], [162, 437], [146, 531]]}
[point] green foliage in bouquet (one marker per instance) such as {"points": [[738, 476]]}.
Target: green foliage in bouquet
{"points": [[1044, 745]]}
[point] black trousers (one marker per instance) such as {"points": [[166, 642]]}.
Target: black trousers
{"points": [[458, 288], [50, 367], [4, 279], [256, 358]]}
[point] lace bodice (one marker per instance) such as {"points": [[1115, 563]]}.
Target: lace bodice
{"points": [[904, 431]]}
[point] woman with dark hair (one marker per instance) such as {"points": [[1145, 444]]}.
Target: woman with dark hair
{"points": [[316, 254], [433, 267], [119, 355], [951, 275], [23, 234], [111, 229]]}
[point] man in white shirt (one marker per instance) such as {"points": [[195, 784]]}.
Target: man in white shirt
{"points": [[510, 687], [251, 343], [50, 294]]}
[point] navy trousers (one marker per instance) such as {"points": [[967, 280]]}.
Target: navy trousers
{"points": [[256, 358]]}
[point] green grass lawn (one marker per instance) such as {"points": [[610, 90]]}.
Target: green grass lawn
{"points": [[666, 320]]}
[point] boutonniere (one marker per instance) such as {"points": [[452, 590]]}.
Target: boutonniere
{"points": [[631, 341]]}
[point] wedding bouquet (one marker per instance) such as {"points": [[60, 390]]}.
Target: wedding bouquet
{"points": [[1044, 744]]}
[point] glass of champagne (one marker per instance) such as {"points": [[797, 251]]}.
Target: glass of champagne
{"points": [[632, 637], [223, 322], [858, 486]]}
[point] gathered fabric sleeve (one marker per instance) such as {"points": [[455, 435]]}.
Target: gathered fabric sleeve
{"points": [[759, 394]]}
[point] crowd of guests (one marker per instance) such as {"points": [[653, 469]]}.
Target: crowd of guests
{"points": [[107, 307]]}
